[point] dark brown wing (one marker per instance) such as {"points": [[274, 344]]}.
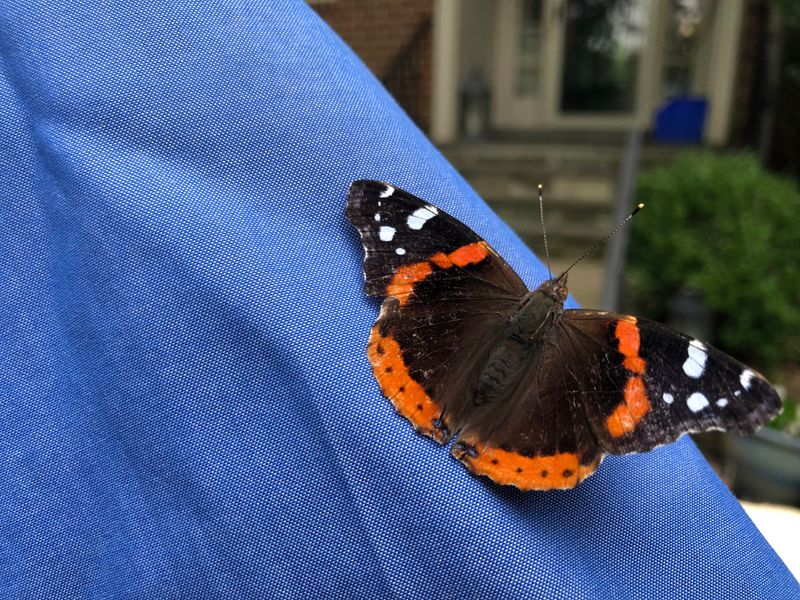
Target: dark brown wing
{"points": [[605, 382], [447, 294]]}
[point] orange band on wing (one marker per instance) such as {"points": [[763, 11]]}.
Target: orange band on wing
{"points": [[407, 276], [408, 397], [470, 254], [627, 334], [442, 260], [557, 471], [628, 413], [636, 404]]}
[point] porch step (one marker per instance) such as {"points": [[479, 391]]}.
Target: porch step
{"points": [[591, 192], [579, 178], [579, 182], [525, 159]]}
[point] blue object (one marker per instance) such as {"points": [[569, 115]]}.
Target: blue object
{"points": [[681, 120], [186, 405]]}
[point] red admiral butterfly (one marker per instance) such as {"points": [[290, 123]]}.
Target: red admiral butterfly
{"points": [[535, 394]]}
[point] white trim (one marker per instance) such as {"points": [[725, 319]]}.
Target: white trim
{"points": [[722, 74], [510, 110], [543, 113], [646, 78], [444, 95]]}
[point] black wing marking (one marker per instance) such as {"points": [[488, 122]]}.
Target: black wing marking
{"points": [[400, 230]]}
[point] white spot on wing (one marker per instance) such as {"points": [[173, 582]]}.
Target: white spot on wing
{"points": [[378, 217], [722, 402], [696, 362], [696, 402], [745, 378], [421, 216], [387, 192], [386, 233], [668, 398], [400, 251]]}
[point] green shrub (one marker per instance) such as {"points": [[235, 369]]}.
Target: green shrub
{"points": [[721, 225], [789, 418]]}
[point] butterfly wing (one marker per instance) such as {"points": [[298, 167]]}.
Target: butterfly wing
{"points": [[603, 382], [596, 382], [538, 438], [446, 291], [644, 384]]}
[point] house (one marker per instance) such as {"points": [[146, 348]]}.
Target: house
{"points": [[558, 65], [518, 92]]}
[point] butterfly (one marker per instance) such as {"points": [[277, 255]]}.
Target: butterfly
{"points": [[534, 395]]}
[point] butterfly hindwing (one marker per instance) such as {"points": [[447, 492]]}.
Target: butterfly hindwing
{"points": [[538, 438], [609, 383]]}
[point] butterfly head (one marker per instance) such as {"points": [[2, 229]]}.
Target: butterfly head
{"points": [[556, 288]]}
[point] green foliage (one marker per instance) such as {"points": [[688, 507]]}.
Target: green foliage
{"points": [[723, 226], [789, 419], [789, 10]]}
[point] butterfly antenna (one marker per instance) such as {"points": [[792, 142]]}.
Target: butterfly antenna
{"points": [[544, 232], [596, 245]]}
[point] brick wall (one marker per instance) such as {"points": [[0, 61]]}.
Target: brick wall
{"points": [[394, 39]]}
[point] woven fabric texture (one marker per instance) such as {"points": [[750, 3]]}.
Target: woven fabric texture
{"points": [[186, 407]]}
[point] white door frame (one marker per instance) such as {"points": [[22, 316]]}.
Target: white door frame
{"points": [[509, 109], [646, 78], [543, 111]]}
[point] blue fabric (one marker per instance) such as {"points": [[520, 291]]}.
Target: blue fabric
{"points": [[186, 405]]}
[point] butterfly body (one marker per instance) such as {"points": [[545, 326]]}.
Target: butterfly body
{"points": [[512, 354], [534, 394]]}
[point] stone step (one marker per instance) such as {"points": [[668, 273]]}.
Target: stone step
{"points": [[525, 157], [579, 181], [577, 210], [585, 192], [563, 244], [516, 154]]}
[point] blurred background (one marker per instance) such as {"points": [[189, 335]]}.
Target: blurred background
{"points": [[692, 106]]}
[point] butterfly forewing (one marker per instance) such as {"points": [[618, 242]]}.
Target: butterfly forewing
{"points": [[400, 232]]}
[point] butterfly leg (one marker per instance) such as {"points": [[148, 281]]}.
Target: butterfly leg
{"points": [[461, 450], [444, 431]]}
